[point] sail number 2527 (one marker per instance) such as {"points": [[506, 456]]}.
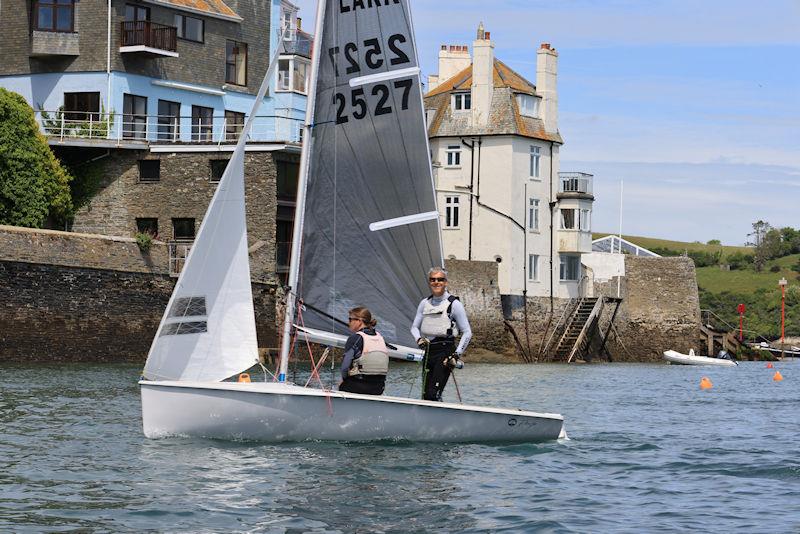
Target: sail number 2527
{"points": [[373, 55], [358, 102]]}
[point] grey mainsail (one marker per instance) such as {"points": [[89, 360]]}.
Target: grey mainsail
{"points": [[370, 227]]}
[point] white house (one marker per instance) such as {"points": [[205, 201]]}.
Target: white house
{"points": [[494, 144]]}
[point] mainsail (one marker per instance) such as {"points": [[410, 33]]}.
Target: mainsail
{"points": [[370, 229]]}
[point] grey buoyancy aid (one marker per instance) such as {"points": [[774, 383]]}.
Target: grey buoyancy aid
{"points": [[374, 359], [436, 320]]}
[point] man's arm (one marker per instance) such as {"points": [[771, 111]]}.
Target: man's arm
{"points": [[459, 315], [417, 321], [353, 346]]}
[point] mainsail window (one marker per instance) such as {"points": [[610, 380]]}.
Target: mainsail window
{"points": [[188, 307], [190, 327]]}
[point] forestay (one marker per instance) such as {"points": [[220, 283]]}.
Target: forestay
{"points": [[370, 229]]}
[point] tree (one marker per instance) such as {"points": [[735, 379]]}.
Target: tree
{"points": [[33, 184], [714, 242], [760, 229]]}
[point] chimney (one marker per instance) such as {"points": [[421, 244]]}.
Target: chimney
{"points": [[546, 71], [482, 77], [452, 60], [299, 24]]}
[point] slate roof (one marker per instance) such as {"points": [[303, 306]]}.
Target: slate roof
{"points": [[504, 119], [212, 8]]}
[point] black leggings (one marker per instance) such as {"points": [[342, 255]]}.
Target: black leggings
{"points": [[372, 385], [437, 372]]}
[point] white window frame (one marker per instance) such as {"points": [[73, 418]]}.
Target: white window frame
{"points": [[533, 214], [585, 220], [533, 267], [284, 83], [453, 156], [452, 211], [564, 267], [528, 105], [535, 162], [462, 101]]}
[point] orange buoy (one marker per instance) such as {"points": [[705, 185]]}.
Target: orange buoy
{"points": [[769, 365], [244, 377], [705, 383], [777, 377]]}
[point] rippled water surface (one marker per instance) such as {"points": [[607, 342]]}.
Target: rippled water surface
{"points": [[648, 452]]}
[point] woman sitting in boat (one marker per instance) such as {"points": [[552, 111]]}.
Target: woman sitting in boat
{"points": [[366, 358]]}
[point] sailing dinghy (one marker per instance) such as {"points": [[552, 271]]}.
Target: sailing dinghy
{"points": [[366, 231]]}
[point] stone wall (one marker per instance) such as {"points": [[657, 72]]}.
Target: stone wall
{"points": [[77, 297], [475, 284], [660, 310], [183, 191]]}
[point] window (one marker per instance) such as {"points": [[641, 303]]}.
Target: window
{"points": [[202, 123], [54, 15], [292, 75], [570, 267], [454, 156], [535, 161], [533, 214], [190, 28], [528, 105], [169, 118], [183, 229], [288, 173], [149, 170], [568, 219], [136, 13], [234, 124], [462, 101], [147, 225], [299, 74], [585, 221], [134, 117], [451, 205], [287, 24], [236, 63], [533, 267], [217, 167], [81, 107]]}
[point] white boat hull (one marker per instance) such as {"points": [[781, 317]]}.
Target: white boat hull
{"points": [[692, 359], [274, 412]]}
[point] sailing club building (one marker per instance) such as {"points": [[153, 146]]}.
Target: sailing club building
{"points": [[495, 143], [151, 95]]}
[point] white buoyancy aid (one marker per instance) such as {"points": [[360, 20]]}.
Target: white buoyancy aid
{"points": [[374, 359], [436, 320]]}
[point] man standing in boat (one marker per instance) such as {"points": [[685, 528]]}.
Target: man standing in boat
{"points": [[440, 317]]}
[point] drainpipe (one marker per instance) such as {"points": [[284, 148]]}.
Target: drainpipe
{"points": [[108, 63], [471, 193], [552, 216]]}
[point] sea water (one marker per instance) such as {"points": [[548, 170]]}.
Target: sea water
{"points": [[648, 451]]}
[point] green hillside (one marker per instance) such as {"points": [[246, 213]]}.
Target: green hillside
{"points": [[715, 280]]}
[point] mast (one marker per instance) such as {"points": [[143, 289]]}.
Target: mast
{"points": [[300, 208]]}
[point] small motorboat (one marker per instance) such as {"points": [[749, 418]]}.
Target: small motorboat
{"points": [[723, 358]]}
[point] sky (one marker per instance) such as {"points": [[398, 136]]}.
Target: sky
{"points": [[690, 107]]}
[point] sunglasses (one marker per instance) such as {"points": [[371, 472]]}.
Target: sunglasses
{"points": [[353, 319], [437, 279]]}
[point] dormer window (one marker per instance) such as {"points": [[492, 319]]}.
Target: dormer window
{"points": [[462, 101], [528, 105]]}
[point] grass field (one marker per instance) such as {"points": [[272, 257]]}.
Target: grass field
{"points": [[716, 280]]}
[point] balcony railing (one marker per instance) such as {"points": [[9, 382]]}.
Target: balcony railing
{"points": [[298, 43], [575, 182], [149, 34], [163, 129]]}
